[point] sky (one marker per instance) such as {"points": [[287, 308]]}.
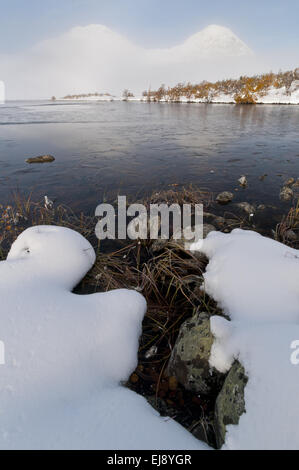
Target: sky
{"points": [[269, 28]]}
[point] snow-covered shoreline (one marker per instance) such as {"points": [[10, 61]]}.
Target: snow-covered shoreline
{"points": [[273, 96]]}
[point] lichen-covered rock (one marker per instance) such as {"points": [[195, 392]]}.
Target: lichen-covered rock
{"points": [[189, 361], [230, 403]]}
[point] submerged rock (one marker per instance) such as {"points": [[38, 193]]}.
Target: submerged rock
{"points": [[246, 207], [289, 182], [243, 181], [225, 197], [189, 361], [230, 403], [291, 235], [286, 193], [41, 159]]}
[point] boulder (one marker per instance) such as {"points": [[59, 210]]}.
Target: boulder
{"points": [[225, 197], [230, 403], [189, 361]]}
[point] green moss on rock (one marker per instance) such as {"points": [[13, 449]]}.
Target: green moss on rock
{"points": [[189, 361], [230, 403]]}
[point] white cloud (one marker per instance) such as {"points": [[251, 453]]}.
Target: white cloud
{"points": [[95, 58]]}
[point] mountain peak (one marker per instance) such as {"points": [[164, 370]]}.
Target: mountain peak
{"points": [[216, 40]]}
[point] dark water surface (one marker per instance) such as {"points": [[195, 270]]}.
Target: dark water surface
{"points": [[134, 148]]}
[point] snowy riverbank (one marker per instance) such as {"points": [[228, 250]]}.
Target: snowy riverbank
{"points": [[272, 96]]}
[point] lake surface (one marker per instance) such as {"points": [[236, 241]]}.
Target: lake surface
{"points": [[134, 148]]}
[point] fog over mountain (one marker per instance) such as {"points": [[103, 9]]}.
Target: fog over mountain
{"points": [[95, 58]]}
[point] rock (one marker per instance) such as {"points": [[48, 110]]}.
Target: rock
{"points": [[296, 184], [189, 361], [209, 217], [246, 207], [230, 224], [159, 245], [219, 222], [286, 193], [41, 159], [185, 244], [262, 177], [206, 229], [296, 73], [291, 235], [261, 207], [225, 197], [243, 181], [230, 403], [289, 182]]}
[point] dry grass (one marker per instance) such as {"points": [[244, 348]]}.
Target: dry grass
{"points": [[287, 231]]}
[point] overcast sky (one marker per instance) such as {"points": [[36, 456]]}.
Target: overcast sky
{"points": [[269, 28]]}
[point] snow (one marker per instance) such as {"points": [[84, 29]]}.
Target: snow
{"points": [[255, 280], [66, 355]]}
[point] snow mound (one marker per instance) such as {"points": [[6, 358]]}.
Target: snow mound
{"points": [[66, 355], [255, 280]]}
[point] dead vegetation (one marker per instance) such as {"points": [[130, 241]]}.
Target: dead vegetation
{"points": [[244, 90]]}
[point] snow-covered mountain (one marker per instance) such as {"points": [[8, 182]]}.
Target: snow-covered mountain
{"points": [[216, 40], [210, 43], [95, 57]]}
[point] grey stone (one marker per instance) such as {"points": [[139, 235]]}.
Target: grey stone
{"points": [[230, 403], [225, 197]]}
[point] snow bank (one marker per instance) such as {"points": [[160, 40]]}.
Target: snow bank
{"points": [[255, 281], [66, 355]]}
